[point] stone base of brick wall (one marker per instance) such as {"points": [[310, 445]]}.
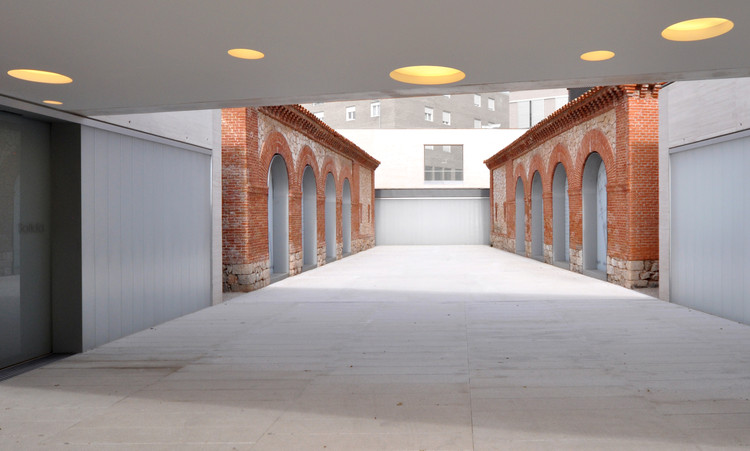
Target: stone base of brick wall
{"points": [[634, 273], [246, 277], [295, 263], [252, 276], [321, 256], [576, 260], [362, 244], [548, 256], [504, 243]]}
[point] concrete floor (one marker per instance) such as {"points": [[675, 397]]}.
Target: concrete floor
{"points": [[404, 348]]}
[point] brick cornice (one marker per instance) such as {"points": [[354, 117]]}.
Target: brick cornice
{"points": [[306, 123], [595, 102]]}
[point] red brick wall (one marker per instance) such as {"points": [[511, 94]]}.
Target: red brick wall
{"points": [[247, 152], [620, 124]]}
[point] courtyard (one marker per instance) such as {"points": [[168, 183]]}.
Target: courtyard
{"points": [[403, 348]]}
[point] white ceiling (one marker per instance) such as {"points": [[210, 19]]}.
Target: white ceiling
{"points": [[158, 55]]}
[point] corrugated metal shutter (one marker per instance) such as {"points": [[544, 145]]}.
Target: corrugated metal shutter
{"points": [[710, 242], [440, 216]]}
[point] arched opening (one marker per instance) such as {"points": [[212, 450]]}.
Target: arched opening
{"points": [[346, 217], [520, 219], [560, 216], [278, 216], [537, 218], [309, 219], [330, 218], [595, 214]]}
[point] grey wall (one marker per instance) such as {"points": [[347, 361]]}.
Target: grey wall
{"points": [[309, 218], [710, 239], [404, 217], [146, 233], [705, 112]]}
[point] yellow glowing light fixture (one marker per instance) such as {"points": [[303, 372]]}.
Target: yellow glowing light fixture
{"points": [[52, 102], [427, 75], [40, 76], [598, 55], [697, 29], [246, 54]]}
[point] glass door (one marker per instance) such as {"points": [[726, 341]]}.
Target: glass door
{"points": [[25, 318]]}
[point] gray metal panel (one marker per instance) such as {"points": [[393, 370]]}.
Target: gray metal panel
{"points": [[709, 243], [146, 226], [432, 220]]}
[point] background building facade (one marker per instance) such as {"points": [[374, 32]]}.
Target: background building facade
{"points": [[486, 110], [528, 108]]}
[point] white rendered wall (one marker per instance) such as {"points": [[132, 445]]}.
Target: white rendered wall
{"points": [[401, 154]]}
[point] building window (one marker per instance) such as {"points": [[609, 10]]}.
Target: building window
{"points": [[320, 115], [443, 163], [351, 113], [477, 100], [375, 109], [477, 123], [446, 118], [428, 114], [491, 104]]}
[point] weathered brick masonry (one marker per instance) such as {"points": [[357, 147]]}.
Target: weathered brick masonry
{"points": [[620, 123], [251, 137]]}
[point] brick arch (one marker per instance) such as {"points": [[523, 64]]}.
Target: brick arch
{"points": [[520, 171], [329, 165], [560, 154], [276, 144], [307, 158], [536, 165], [594, 141], [345, 173]]}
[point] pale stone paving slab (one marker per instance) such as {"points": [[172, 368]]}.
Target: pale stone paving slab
{"points": [[403, 348]]}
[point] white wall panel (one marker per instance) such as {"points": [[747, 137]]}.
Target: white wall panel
{"points": [[146, 232], [710, 243], [432, 220]]}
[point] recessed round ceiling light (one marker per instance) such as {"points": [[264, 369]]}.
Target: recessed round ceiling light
{"points": [[40, 76], [427, 75], [697, 29], [598, 55], [52, 102], [246, 54]]}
